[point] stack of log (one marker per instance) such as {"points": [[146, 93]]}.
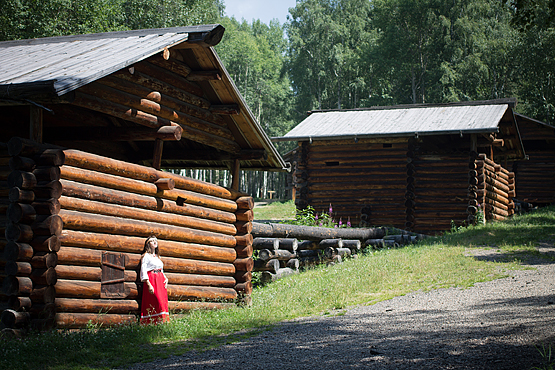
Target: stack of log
{"points": [[280, 253], [491, 189], [76, 231]]}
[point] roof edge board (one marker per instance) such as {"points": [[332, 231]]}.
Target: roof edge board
{"points": [[373, 136]]}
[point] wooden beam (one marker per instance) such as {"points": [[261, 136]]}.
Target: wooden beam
{"points": [[204, 76], [165, 133], [229, 109], [236, 175], [157, 160], [35, 124]]}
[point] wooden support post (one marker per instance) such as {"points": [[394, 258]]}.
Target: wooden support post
{"points": [[35, 127], [158, 147], [235, 177], [473, 143]]}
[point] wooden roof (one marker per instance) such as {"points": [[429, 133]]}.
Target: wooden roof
{"points": [[110, 93], [493, 118]]}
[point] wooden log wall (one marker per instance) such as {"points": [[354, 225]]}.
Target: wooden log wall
{"points": [[365, 182], [70, 209], [4, 204], [535, 177], [491, 189], [300, 175], [440, 183]]}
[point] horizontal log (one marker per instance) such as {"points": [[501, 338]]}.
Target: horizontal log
{"points": [[244, 251], [18, 268], [51, 225], [22, 180], [13, 319], [46, 207], [201, 280], [265, 243], [18, 146], [48, 190], [98, 163], [314, 233], [144, 188], [20, 303], [88, 289], [43, 294], [90, 206], [279, 254], [46, 243], [19, 163], [244, 215], [74, 272], [167, 76], [118, 243], [18, 232], [18, 251], [46, 276], [112, 225], [185, 292], [21, 195], [17, 285], [244, 288], [165, 184], [271, 265], [42, 260], [330, 243], [177, 306], [289, 244], [243, 227], [21, 212], [243, 264], [65, 320], [108, 306], [352, 244], [100, 194], [267, 276]]}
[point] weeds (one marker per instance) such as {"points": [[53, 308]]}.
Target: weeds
{"points": [[548, 359]]}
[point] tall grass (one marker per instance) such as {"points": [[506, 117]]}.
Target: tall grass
{"points": [[375, 276]]}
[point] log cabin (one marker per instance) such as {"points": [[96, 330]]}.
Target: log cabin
{"points": [[90, 126], [421, 167], [535, 176]]}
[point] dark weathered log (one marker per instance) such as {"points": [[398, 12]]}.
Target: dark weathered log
{"points": [[244, 240], [100, 208], [333, 243], [243, 227], [314, 233], [279, 254], [188, 306], [46, 207], [65, 320], [293, 264], [243, 276], [95, 193], [130, 244], [43, 294], [186, 292], [21, 195], [265, 243], [354, 245], [18, 146], [22, 164], [307, 245], [18, 251], [46, 243], [244, 288], [243, 264], [19, 303], [51, 225], [17, 285], [48, 190], [13, 319], [267, 276], [144, 188], [18, 232], [289, 244], [109, 306], [94, 162], [44, 276], [18, 268], [201, 280], [308, 253], [46, 173], [22, 180], [244, 215], [245, 202], [270, 265], [381, 243], [113, 225], [401, 239], [42, 260]]}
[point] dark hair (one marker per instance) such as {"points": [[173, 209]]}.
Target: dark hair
{"points": [[147, 248]]}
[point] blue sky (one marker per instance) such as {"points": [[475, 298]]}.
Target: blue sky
{"points": [[265, 10]]}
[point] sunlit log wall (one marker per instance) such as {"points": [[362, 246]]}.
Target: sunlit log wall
{"points": [[365, 182], [69, 209], [493, 192]]}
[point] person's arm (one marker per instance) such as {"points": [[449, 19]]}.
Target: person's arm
{"points": [[144, 275]]}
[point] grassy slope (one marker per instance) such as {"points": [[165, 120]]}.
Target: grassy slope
{"points": [[379, 275]]}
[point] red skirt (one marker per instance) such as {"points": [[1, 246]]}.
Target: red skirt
{"points": [[154, 307]]}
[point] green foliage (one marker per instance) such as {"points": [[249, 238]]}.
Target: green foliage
{"points": [[547, 357], [309, 217]]}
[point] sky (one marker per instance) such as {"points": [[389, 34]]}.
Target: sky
{"points": [[265, 10]]}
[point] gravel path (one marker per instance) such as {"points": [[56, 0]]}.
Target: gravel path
{"points": [[493, 325]]}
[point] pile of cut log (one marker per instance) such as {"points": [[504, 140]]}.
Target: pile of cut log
{"points": [[285, 249]]}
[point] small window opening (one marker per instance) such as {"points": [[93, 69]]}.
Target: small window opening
{"points": [[388, 145], [332, 163]]}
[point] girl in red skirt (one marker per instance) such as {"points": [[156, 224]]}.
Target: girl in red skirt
{"points": [[154, 305]]}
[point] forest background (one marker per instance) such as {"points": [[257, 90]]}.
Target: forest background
{"points": [[340, 54]]}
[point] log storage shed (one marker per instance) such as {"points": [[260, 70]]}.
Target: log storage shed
{"points": [[88, 123], [415, 167]]}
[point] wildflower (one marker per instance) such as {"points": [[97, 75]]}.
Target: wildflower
{"points": [[340, 221], [330, 210], [349, 221], [316, 216]]}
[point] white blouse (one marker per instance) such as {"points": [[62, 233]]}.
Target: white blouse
{"points": [[150, 262]]}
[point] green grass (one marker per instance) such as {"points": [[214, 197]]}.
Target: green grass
{"points": [[377, 276], [275, 211]]}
